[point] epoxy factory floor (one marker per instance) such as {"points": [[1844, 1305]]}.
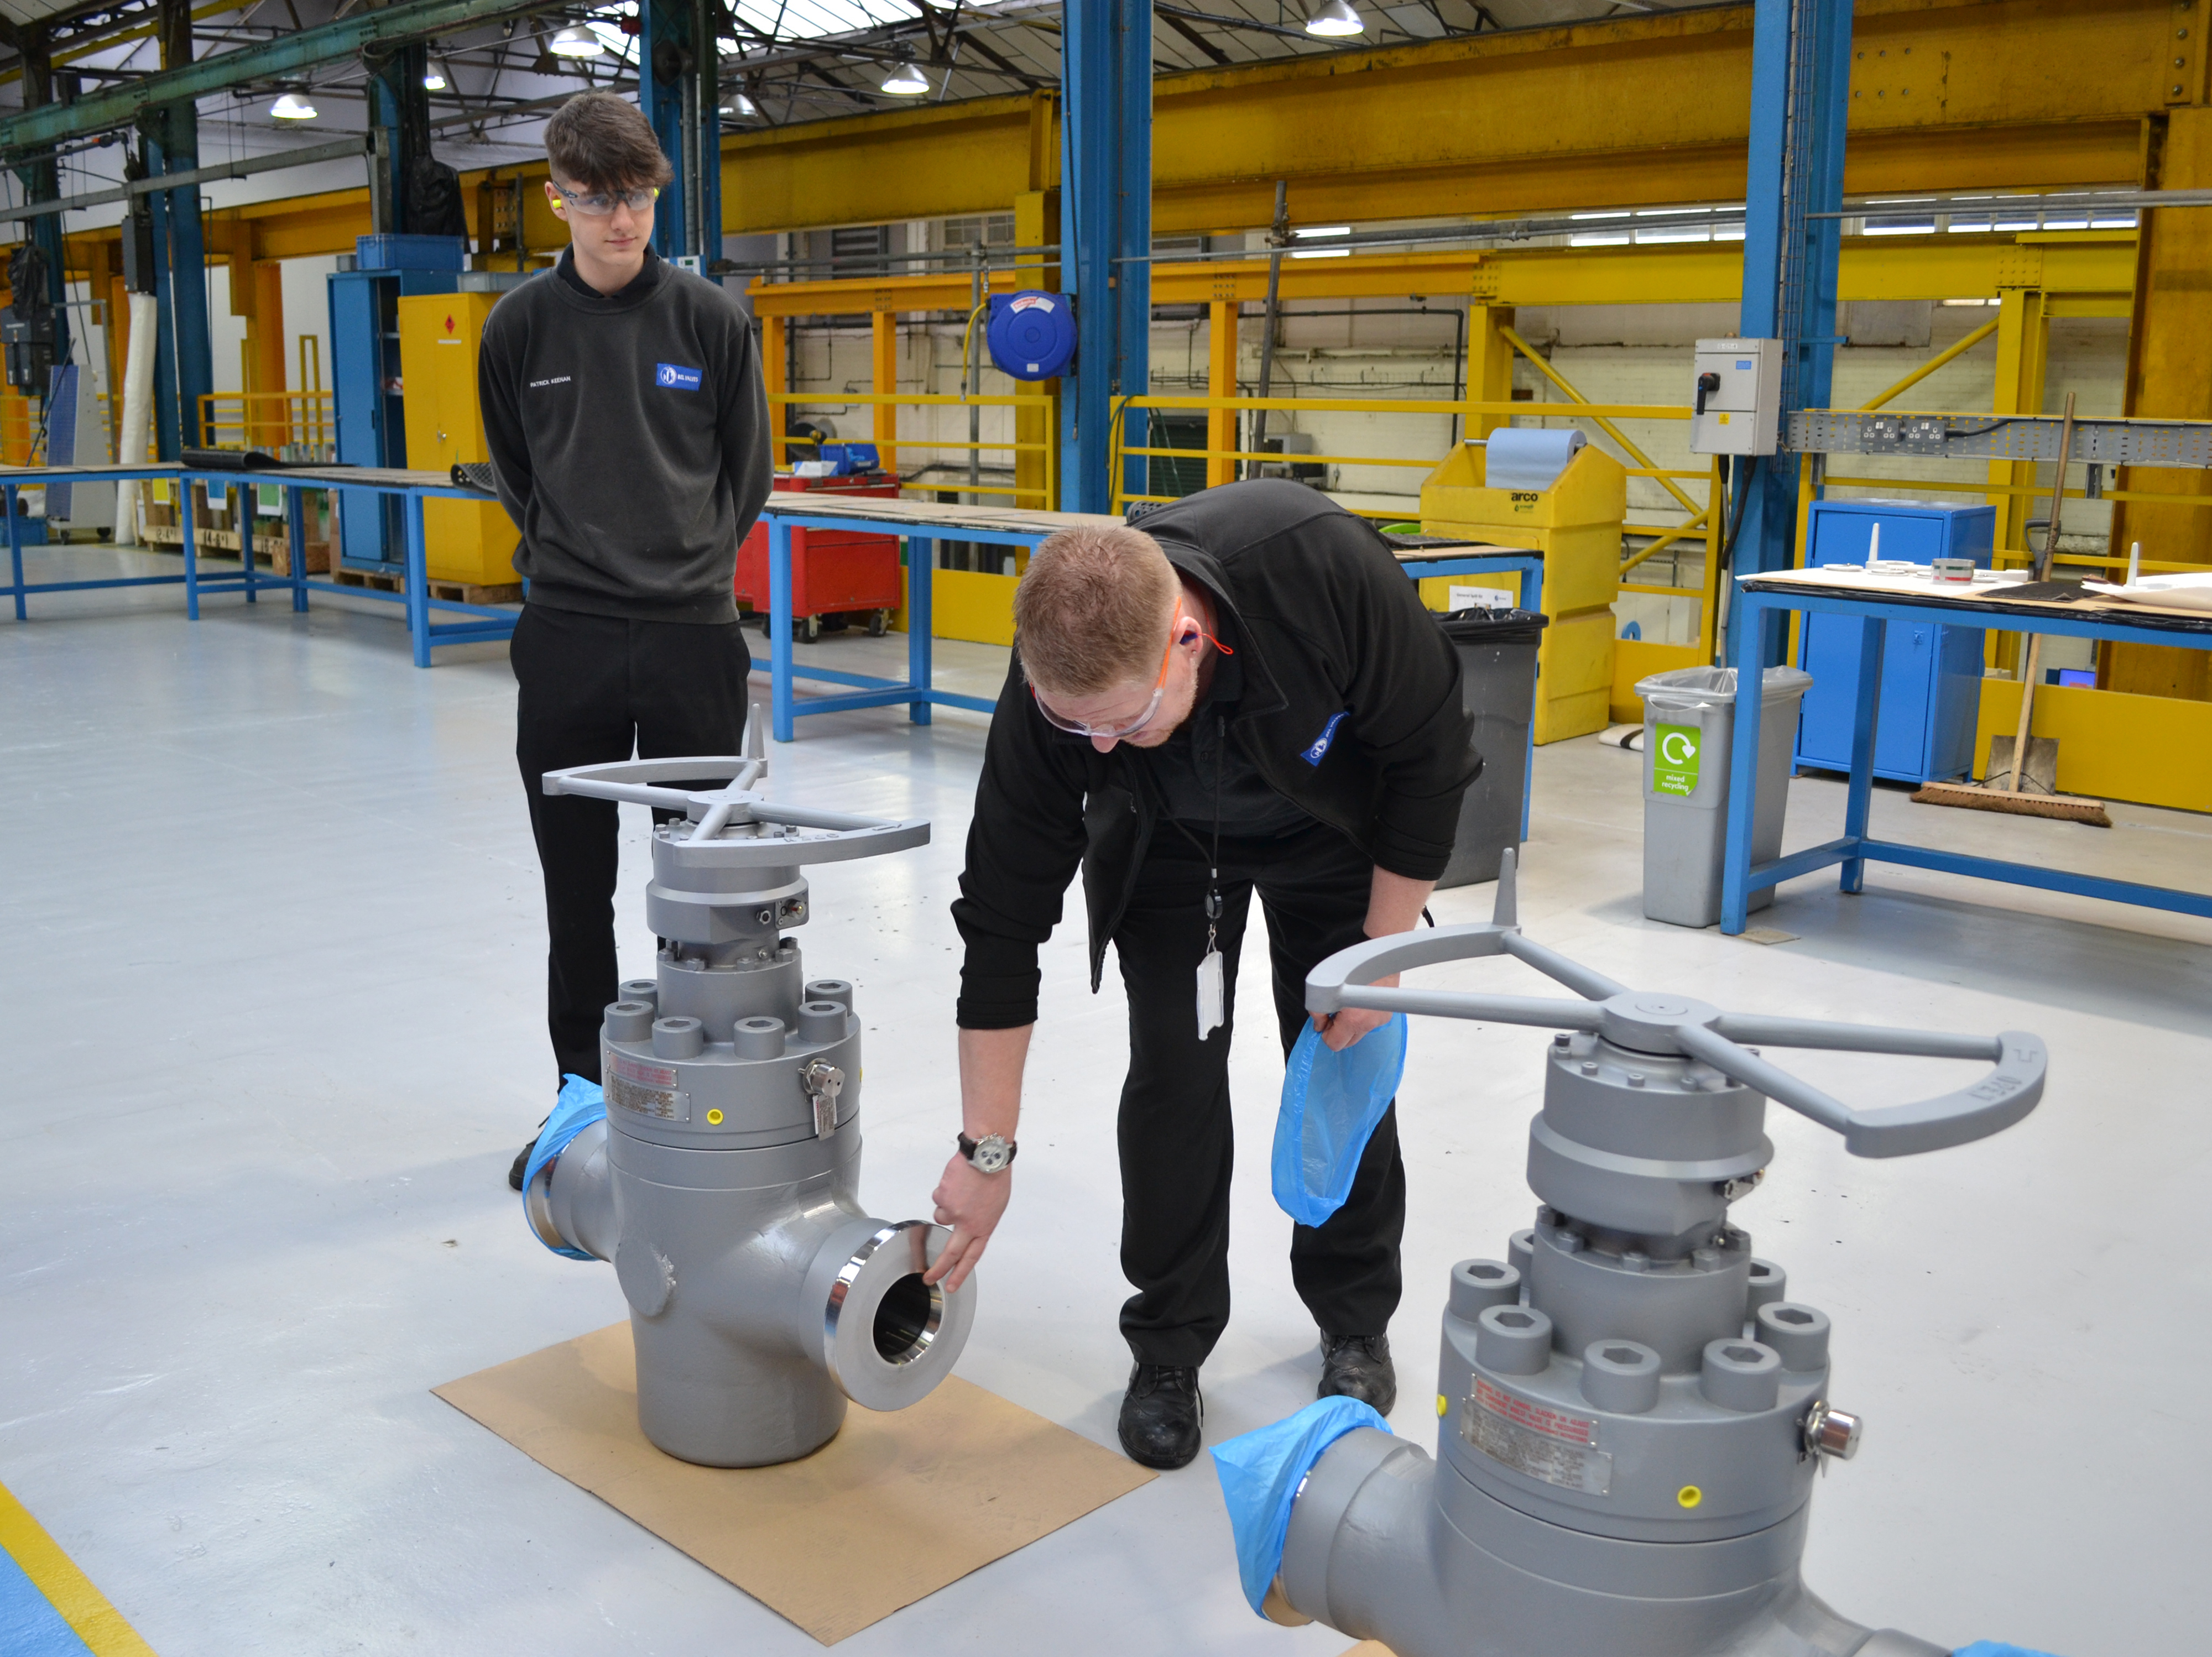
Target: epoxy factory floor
{"points": [[272, 1010]]}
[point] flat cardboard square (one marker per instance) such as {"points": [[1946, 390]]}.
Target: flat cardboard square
{"points": [[935, 1491]]}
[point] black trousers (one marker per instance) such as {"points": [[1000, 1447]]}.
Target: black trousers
{"points": [[1176, 1140], [591, 689]]}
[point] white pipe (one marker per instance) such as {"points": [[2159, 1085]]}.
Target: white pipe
{"points": [[137, 408]]}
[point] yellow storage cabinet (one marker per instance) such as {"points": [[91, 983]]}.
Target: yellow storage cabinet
{"points": [[1575, 525], [467, 540]]}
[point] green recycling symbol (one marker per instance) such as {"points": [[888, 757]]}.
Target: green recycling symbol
{"points": [[1676, 750]]}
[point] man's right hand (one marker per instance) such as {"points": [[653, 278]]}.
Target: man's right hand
{"points": [[971, 1203]]}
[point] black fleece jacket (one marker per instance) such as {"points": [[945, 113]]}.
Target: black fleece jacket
{"points": [[1352, 708], [630, 440]]}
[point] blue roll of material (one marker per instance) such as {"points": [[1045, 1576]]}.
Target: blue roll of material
{"points": [[1331, 1102], [1514, 459], [1260, 1474], [580, 1104], [1031, 334], [1996, 1649]]}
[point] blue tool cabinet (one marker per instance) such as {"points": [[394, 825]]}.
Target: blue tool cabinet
{"points": [[1931, 675]]}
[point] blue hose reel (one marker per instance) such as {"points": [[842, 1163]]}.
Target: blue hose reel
{"points": [[1031, 334]]}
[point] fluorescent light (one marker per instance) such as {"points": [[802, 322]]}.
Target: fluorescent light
{"points": [[434, 81], [906, 81], [738, 104], [291, 107], [1335, 17], [575, 43]]}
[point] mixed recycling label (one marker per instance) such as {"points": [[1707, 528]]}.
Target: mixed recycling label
{"points": [[1675, 753]]}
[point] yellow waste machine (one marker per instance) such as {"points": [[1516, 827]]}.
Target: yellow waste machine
{"points": [[1575, 523], [467, 541]]}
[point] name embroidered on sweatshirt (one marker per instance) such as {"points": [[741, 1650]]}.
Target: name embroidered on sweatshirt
{"points": [[557, 380], [675, 377]]}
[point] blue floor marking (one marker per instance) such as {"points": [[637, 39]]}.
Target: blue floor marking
{"points": [[29, 1624]]}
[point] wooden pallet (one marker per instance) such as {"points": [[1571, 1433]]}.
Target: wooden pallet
{"points": [[465, 593], [273, 551]]}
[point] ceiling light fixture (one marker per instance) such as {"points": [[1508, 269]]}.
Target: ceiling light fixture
{"points": [[738, 104], [906, 80], [433, 80], [1335, 17], [575, 43], [291, 107]]}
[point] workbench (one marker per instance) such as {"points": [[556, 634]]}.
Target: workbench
{"points": [[1875, 601], [486, 621]]}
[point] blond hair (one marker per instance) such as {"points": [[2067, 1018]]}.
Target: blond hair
{"points": [[1088, 613]]}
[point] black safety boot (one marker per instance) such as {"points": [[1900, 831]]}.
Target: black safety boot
{"points": [[1160, 1414], [1358, 1366], [521, 1164]]}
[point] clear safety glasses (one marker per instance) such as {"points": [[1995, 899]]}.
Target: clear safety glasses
{"points": [[1182, 630], [599, 204]]}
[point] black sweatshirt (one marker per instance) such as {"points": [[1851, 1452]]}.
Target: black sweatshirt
{"points": [[1350, 707], [629, 438]]}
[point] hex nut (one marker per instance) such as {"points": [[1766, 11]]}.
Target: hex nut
{"points": [[678, 1037], [1622, 1376], [1477, 1286], [1513, 1340], [1740, 1375], [1798, 1334], [630, 1020], [758, 1038]]}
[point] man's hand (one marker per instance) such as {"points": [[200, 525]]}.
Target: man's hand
{"points": [[1339, 1031], [971, 1203]]}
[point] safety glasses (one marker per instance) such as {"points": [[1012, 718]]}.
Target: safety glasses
{"points": [[1121, 729], [597, 204]]}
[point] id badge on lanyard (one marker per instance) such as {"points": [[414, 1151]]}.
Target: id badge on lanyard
{"points": [[1212, 994]]}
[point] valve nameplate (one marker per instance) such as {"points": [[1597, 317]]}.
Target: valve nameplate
{"points": [[1537, 1442], [646, 1090]]}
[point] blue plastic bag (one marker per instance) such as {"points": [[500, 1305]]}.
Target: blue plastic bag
{"points": [[1260, 1474], [580, 1104], [1996, 1649], [1331, 1102]]}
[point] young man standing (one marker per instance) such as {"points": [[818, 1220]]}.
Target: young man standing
{"points": [[629, 433], [1244, 697]]}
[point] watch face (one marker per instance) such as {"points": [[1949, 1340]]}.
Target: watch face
{"points": [[991, 1154]]}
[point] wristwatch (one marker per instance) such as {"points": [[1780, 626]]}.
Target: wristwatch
{"points": [[991, 1154]]}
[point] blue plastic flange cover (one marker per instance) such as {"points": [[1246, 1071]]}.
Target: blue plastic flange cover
{"points": [[1260, 1474], [580, 1104], [1331, 1103], [1996, 1649], [1031, 334]]}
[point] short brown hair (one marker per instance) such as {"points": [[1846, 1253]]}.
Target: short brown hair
{"points": [[601, 141], [1087, 614]]}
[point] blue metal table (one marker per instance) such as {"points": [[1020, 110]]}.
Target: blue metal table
{"points": [[1799, 591], [487, 621]]}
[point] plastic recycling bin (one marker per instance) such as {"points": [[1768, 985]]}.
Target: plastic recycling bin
{"points": [[1498, 677], [1689, 728]]}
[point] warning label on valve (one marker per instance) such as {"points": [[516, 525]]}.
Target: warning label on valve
{"points": [[648, 1090], [1535, 1440]]}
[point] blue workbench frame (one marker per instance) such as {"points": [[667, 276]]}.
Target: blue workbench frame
{"points": [[1740, 877], [489, 622]]}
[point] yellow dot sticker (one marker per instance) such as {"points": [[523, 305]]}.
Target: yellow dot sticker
{"points": [[1443, 1408], [714, 1119], [1689, 1496]]}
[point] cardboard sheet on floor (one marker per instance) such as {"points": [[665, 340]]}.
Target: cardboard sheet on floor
{"points": [[891, 1510]]}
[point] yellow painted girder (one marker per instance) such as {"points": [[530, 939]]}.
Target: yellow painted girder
{"points": [[1948, 94]]}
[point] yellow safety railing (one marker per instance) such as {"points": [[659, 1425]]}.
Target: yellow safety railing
{"points": [[1043, 495], [265, 420]]}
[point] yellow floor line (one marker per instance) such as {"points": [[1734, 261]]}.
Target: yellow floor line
{"points": [[83, 1606]]}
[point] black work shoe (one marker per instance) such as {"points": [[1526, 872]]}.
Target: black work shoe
{"points": [[1358, 1366], [521, 1165], [1160, 1414]]}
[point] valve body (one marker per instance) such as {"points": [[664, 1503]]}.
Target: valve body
{"points": [[723, 1185]]}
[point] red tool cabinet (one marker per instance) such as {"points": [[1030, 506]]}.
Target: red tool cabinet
{"points": [[833, 572]]}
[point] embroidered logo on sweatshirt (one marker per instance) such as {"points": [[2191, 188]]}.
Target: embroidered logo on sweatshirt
{"points": [[676, 377], [1314, 753]]}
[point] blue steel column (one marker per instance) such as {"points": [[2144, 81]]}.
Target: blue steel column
{"points": [[180, 258], [167, 426], [1105, 219], [707, 132], [1800, 102], [663, 45]]}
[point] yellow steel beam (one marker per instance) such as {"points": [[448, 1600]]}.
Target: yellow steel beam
{"points": [[1930, 367], [1948, 95]]}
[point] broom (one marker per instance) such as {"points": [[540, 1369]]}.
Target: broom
{"points": [[1987, 796]]}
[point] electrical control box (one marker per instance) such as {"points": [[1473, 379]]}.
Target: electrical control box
{"points": [[1736, 397]]}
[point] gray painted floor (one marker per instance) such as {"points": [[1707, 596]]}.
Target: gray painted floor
{"points": [[271, 1008]]}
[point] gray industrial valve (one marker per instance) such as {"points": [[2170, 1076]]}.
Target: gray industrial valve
{"points": [[722, 1183], [1632, 1410]]}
